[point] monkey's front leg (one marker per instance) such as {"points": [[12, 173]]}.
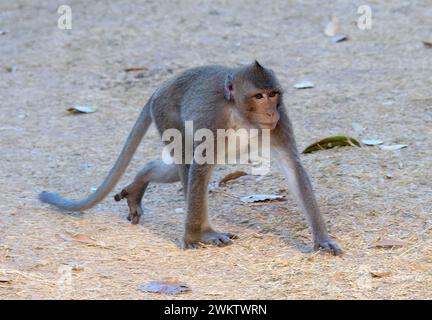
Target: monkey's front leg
{"points": [[299, 184], [197, 229]]}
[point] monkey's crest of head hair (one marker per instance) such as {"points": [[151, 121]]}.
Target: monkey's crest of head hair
{"points": [[259, 76]]}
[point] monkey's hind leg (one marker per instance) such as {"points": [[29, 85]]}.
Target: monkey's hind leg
{"points": [[153, 171]]}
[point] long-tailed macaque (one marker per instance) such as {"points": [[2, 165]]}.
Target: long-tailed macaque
{"points": [[213, 97]]}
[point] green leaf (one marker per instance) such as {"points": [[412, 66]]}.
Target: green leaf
{"points": [[331, 142]]}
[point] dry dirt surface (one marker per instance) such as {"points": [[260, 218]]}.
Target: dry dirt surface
{"points": [[375, 85]]}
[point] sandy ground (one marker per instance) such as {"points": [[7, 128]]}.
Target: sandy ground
{"points": [[379, 80]]}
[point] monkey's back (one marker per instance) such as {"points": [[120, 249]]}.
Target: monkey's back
{"points": [[194, 95]]}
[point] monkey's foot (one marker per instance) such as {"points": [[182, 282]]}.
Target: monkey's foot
{"points": [[219, 239], [135, 210], [329, 246]]}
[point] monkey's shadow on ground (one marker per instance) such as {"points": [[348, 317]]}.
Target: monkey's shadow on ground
{"points": [[282, 220]]}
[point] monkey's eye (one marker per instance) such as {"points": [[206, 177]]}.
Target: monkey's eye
{"points": [[258, 96], [273, 94]]}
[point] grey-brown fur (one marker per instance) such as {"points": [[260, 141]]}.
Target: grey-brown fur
{"points": [[213, 97]]}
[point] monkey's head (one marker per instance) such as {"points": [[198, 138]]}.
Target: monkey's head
{"points": [[257, 95]]}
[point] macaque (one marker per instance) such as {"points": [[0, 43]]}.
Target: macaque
{"points": [[213, 97]]}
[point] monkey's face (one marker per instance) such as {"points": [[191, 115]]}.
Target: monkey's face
{"points": [[262, 108], [257, 95], [259, 107]]}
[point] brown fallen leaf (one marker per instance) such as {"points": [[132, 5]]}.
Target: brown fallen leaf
{"points": [[6, 280], [123, 258], [82, 238], [427, 43], [380, 274], [75, 265], [214, 294], [421, 98], [134, 69], [423, 267], [232, 176], [166, 286], [387, 244]]}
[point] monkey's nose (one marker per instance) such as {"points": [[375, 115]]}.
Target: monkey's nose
{"points": [[270, 114]]}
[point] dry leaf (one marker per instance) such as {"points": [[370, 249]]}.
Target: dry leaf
{"points": [[81, 109], [166, 286], [232, 176], [10, 69], [388, 175], [393, 147], [304, 85], [134, 69], [422, 98], [423, 267], [380, 274], [75, 265], [82, 238], [387, 244], [214, 294], [372, 142], [427, 44], [6, 280], [339, 38], [262, 198], [331, 142]]}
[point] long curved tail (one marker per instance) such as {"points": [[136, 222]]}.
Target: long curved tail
{"points": [[140, 128]]}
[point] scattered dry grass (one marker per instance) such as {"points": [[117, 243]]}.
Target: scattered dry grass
{"points": [[379, 79]]}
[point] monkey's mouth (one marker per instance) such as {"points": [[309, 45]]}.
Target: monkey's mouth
{"points": [[268, 125]]}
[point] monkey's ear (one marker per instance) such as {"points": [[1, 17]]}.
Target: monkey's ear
{"points": [[228, 88], [258, 65]]}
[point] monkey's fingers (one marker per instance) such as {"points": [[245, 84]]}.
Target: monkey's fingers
{"points": [[119, 196], [220, 239], [231, 235], [329, 246], [192, 245]]}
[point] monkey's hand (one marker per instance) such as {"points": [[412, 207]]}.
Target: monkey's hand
{"points": [[329, 246]]}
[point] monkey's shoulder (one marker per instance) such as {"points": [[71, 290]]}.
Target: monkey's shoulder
{"points": [[202, 75]]}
